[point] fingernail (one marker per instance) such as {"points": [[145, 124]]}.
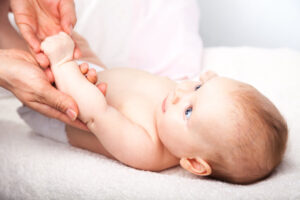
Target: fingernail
{"points": [[71, 114]]}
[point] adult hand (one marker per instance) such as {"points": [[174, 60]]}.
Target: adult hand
{"points": [[38, 19], [20, 74]]}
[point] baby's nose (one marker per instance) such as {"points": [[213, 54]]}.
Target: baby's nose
{"points": [[178, 93]]}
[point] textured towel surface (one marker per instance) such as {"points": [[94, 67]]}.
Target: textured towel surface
{"points": [[33, 167]]}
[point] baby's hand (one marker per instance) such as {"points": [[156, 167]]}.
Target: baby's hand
{"points": [[91, 76], [102, 87], [89, 73], [59, 48]]}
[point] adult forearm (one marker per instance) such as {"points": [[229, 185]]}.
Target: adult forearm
{"points": [[2, 73], [7, 69]]}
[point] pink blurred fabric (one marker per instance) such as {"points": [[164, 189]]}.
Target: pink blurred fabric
{"points": [[159, 36]]}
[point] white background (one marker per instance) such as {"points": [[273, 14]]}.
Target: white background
{"points": [[259, 23]]}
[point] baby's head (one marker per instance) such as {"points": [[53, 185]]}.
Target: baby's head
{"points": [[223, 128]]}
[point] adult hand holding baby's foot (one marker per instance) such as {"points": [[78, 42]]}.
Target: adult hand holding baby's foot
{"points": [[38, 19]]}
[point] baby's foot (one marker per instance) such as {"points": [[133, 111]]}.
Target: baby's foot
{"points": [[59, 48]]}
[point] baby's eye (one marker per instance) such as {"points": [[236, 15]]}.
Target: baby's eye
{"points": [[188, 112], [197, 87]]}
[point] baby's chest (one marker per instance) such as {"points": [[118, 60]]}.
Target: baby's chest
{"points": [[139, 109]]}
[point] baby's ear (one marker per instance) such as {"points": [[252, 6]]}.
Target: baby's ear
{"points": [[196, 166], [207, 76]]}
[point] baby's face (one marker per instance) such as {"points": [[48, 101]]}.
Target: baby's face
{"points": [[193, 115]]}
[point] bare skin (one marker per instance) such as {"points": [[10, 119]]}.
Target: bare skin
{"points": [[38, 19], [21, 74], [144, 121]]}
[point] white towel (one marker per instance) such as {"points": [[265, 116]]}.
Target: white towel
{"points": [[42, 125]]}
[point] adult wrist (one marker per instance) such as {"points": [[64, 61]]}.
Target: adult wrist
{"points": [[3, 69]]}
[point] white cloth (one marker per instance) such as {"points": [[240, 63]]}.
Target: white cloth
{"points": [[44, 126]]}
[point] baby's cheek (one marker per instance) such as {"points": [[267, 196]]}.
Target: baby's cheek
{"points": [[169, 123]]}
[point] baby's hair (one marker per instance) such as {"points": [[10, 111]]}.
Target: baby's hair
{"points": [[259, 141]]}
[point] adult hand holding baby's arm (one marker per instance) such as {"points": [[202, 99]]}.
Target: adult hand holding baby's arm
{"points": [[126, 141], [20, 74], [38, 19]]}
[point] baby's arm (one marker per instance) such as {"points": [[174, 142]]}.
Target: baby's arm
{"points": [[125, 140]]}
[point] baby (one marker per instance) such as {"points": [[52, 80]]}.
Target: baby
{"points": [[217, 127]]}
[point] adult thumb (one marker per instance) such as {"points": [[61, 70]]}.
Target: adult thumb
{"points": [[61, 102]]}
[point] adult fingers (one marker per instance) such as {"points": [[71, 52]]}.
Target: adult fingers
{"points": [[77, 52], [68, 15], [49, 75], [53, 113], [29, 35], [42, 59], [59, 101]]}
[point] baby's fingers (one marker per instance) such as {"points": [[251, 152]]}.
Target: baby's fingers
{"points": [[84, 68], [102, 87], [92, 76]]}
